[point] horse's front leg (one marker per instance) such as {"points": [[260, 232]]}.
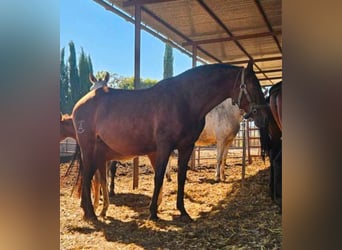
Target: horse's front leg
{"points": [[112, 170], [183, 159]]}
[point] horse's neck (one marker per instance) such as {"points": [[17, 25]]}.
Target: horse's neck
{"points": [[209, 95]]}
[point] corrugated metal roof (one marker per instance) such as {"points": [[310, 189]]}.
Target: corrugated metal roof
{"points": [[229, 31]]}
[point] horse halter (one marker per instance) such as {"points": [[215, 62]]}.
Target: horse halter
{"points": [[243, 90]]}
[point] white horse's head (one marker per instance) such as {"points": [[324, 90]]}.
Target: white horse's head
{"points": [[98, 83]]}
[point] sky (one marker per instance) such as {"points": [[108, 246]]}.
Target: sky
{"points": [[109, 40]]}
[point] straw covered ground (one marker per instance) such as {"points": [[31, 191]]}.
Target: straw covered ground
{"points": [[226, 215]]}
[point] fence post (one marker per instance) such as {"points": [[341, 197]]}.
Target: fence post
{"points": [[243, 152], [250, 161]]}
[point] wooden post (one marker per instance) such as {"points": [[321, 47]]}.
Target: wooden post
{"points": [[194, 62], [198, 155], [136, 81]]}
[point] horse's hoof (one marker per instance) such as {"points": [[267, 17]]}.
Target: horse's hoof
{"points": [[154, 218], [186, 218], [90, 218]]}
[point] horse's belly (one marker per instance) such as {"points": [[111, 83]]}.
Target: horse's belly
{"points": [[129, 145], [206, 139]]}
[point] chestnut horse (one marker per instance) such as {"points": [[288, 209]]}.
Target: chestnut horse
{"points": [[66, 127], [121, 124], [67, 130]]}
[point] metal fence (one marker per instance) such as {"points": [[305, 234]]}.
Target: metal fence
{"points": [[67, 147]]}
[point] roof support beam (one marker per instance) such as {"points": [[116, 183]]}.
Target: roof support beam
{"points": [[178, 33], [256, 60], [270, 71], [142, 2], [262, 12], [143, 27], [233, 38], [224, 27], [270, 78]]}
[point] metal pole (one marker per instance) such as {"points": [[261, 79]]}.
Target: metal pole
{"points": [[250, 161], [194, 62], [136, 81], [243, 152]]}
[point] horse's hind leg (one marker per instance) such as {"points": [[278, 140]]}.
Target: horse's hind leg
{"points": [[159, 162], [96, 189], [102, 169], [183, 159], [86, 204], [222, 149]]}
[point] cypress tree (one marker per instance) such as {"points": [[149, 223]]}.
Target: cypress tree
{"points": [[73, 74], [83, 67], [90, 65], [64, 93], [168, 62]]}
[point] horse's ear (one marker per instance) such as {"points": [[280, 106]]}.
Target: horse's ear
{"points": [[106, 77], [250, 66], [92, 78]]}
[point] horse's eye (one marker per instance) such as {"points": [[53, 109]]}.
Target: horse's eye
{"points": [[254, 111]]}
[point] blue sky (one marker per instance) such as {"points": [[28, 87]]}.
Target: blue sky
{"points": [[109, 40]]}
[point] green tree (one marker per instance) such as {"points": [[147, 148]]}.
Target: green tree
{"points": [[90, 64], [73, 74], [84, 70], [74, 79], [168, 62], [121, 82], [65, 104]]}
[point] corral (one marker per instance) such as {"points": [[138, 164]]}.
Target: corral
{"points": [[227, 215]]}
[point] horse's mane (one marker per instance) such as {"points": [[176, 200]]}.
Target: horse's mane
{"points": [[197, 72], [275, 88]]}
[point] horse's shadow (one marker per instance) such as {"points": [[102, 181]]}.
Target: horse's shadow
{"points": [[130, 200]]}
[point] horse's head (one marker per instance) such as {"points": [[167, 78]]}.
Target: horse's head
{"points": [[98, 83], [251, 98]]}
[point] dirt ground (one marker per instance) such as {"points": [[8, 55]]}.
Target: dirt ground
{"points": [[226, 215]]}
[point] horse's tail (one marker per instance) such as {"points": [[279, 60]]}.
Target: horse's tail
{"points": [[76, 157]]}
